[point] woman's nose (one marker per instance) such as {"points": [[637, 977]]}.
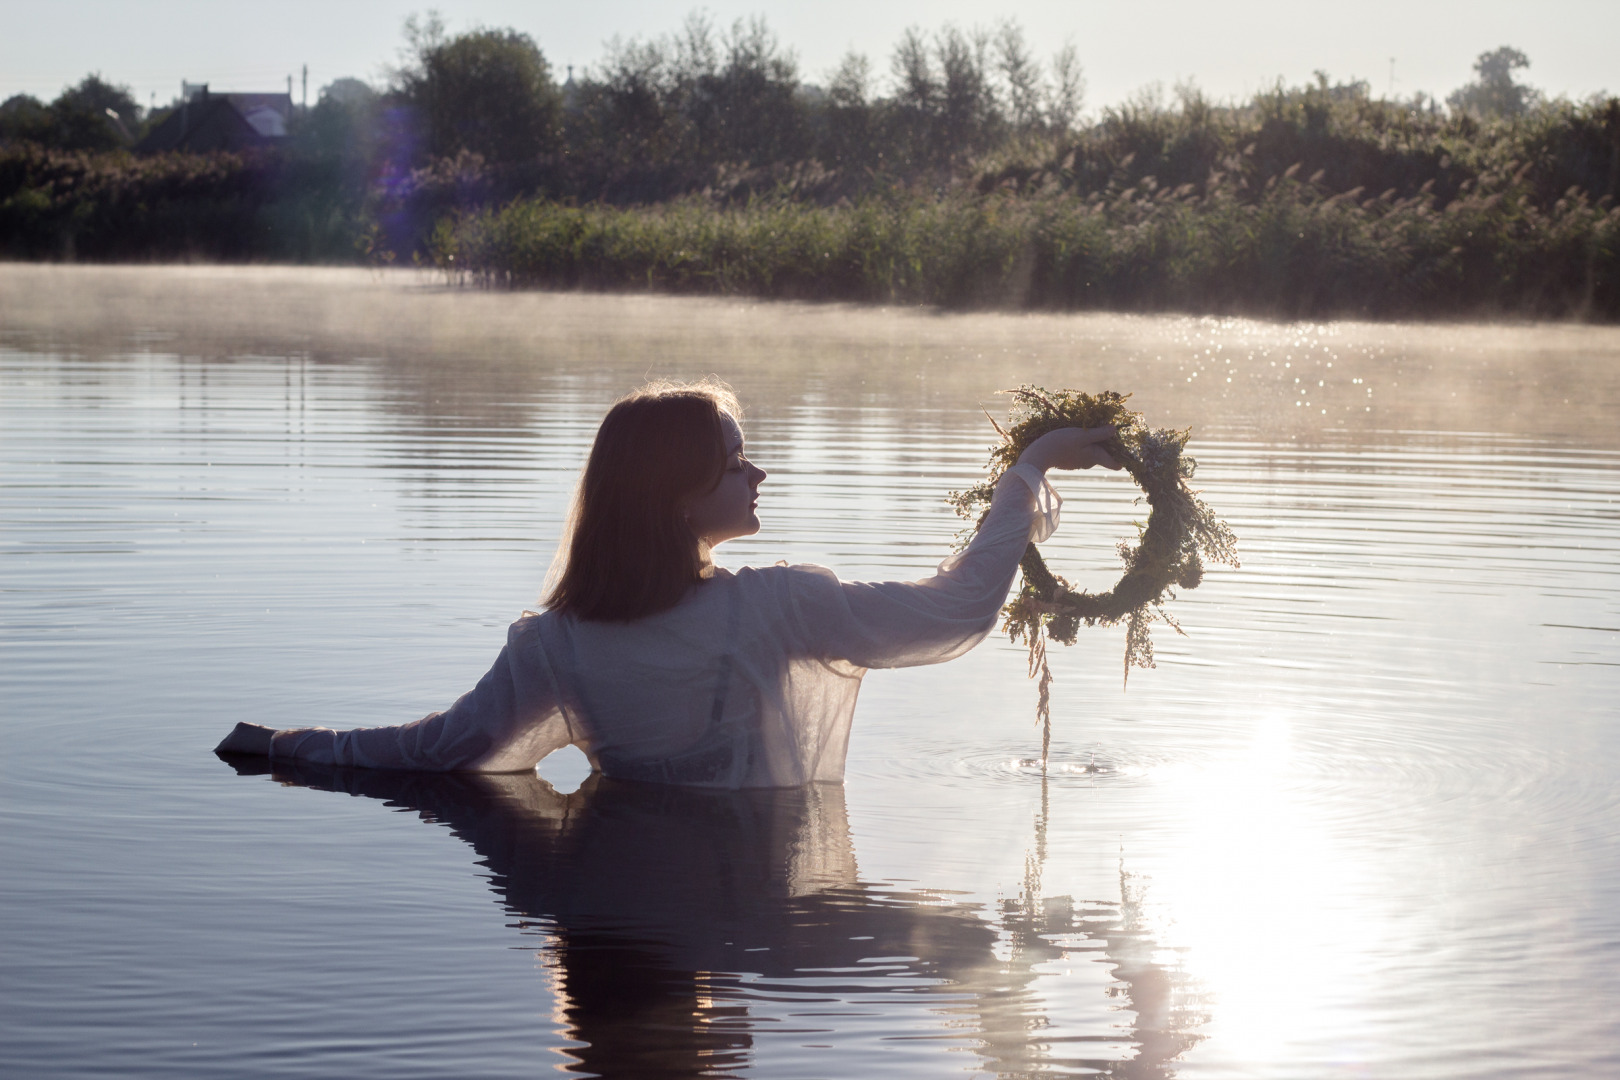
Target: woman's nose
{"points": [[759, 474]]}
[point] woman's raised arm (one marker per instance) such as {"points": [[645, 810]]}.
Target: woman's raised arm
{"points": [[904, 623]]}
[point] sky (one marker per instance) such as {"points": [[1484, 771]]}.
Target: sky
{"points": [[1229, 49]]}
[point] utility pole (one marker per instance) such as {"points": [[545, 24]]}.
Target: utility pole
{"points": [[306, 87], [1391, 94]]}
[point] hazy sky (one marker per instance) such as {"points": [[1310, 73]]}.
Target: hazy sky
{"points": [[1229, 49]]}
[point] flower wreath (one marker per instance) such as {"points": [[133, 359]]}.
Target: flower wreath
{"points": [[1181, 535]]}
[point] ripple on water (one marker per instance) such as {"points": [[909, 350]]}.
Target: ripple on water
{"points": [[998, 765]]}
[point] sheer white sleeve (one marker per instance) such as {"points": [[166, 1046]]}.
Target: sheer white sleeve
{"points": [[506, 723], [899, 624]]}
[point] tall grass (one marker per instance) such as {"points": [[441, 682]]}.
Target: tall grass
{"points": [[1315, 201], [1295, 250]]}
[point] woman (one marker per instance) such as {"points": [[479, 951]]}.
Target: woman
{"points": [[661, 667]]}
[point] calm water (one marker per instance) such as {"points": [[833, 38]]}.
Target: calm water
{"points": [[1362, 821]]}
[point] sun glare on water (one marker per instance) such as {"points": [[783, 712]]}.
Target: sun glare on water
{"points": [[1260, 900]]}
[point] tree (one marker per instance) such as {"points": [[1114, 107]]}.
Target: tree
{"points": [[628, 111], [916, 90], [969, 112], [93, 115], [489, 92], [348, 93], [850, 129], [1068, 89], [1495, 93], [696, 98], [1022, 73], [342, 126], [744, 109], [24, 118], [944, 105]]}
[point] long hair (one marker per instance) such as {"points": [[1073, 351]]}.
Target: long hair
{"points": [[628, 551]]}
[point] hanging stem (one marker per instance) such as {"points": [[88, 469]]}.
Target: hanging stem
{"points": [[1043, 708]]}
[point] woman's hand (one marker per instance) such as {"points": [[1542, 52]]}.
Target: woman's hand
{"points": [[1070, 448], [247, 739]]}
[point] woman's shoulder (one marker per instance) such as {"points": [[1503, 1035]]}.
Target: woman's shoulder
{"points": [[788, 594], [530, 623], [783, 585], [784, 576]]}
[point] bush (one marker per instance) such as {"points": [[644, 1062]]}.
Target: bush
{"points": [[115, 206]]}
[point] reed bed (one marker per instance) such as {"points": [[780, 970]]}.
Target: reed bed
{"points": [[1294, 250]]}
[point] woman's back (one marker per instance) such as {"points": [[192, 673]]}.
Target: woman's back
{"points": [[730, 688]]}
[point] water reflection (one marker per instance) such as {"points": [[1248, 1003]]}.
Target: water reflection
{"points": [[1373, 790], [685, 927]]}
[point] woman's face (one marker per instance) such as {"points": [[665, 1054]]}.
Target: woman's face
{"points": [[727, 511]]}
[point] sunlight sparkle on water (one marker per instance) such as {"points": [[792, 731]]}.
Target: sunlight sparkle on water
{"points": [[1257, 894]]}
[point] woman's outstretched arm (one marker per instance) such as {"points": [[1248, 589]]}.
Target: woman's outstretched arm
{"points": [[507, 723], [899, 624]]}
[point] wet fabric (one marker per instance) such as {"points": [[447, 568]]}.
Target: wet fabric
{"points": [[750, 681]]}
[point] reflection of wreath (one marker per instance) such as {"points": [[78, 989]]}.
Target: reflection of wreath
{"points": [[1181, 534]]}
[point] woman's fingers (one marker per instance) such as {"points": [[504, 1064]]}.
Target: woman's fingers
{"points": [[1104, 458], [1092, 454]]}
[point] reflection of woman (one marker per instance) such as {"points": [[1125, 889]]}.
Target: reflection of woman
{"points": [[660, 666], [687, 923], [656, 899]]}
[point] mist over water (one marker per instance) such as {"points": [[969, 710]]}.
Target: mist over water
{"points": [[1360, 821]]}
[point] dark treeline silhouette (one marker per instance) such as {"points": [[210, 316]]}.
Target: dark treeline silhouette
{"points": [[720, 113], [92, 115], [959, 175]]}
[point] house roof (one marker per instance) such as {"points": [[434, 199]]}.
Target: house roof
{"points": [[207, 121]]}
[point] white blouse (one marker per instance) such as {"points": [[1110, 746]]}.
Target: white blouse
{"points": [[749, 681]]}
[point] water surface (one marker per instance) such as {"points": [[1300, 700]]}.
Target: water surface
{"points": [[1360, 821]]}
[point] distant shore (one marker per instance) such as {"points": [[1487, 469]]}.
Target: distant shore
{"points": [[1298, 249], [1306, 207], [969, 178]]}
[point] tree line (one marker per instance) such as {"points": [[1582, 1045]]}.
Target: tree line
{"points": [[472, 124], [660, 117], [697, 99]]}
